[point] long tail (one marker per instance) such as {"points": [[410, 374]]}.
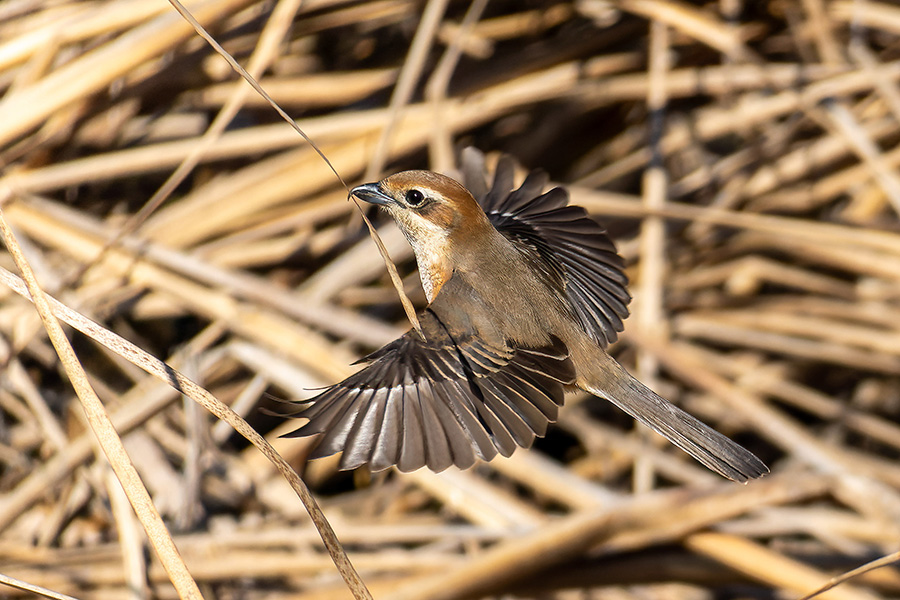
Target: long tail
{"points": [[707, 445]]}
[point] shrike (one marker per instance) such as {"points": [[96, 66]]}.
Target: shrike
{"points": [[524, 295]]}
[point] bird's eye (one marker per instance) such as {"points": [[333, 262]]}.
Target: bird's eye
{"points": [[415, 197]]}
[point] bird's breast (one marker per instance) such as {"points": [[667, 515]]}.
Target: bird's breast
{"points": [[432, 259]]}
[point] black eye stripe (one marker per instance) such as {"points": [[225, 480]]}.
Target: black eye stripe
{"points": [[415, 197]]}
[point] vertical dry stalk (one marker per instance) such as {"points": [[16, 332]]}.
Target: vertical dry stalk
{"points": [[653, 235], [106, 434]]}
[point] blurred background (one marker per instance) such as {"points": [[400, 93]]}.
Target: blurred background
{"points": [[742, 154]]}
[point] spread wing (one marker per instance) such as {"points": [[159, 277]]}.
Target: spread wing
{"points": [[567, 241], [445, 400]]}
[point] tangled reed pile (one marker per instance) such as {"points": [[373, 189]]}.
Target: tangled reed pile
{"points": [[743, 154]]}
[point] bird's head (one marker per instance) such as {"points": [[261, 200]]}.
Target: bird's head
{"points": [[438, 216]]}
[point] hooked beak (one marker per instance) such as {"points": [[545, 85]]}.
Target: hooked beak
{"points": [[371, 193]]}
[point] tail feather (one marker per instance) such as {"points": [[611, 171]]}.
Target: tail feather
{"points": [[711, 448]]}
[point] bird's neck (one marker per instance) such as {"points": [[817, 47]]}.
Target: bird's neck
{"points": [[434, 271], [438, 255], [434, 259]]}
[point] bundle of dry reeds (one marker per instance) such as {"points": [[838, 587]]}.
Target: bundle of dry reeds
{"points": [[743, 154]]}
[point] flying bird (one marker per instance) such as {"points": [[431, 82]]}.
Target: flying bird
{"points": [[525, 293]]}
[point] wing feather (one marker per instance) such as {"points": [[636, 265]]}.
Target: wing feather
{"points": [[412, 446], [518, 399], [438, 455], [467, 415], [389, 437], [370, 420], [447, 400], [515, 427], [338, 429], [564, 238], [462, 452]]}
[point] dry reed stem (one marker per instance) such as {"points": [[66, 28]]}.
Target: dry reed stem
{"points": [[253, 320], [866, 568], [131, 415], [106, 434], [440, 144], [574, 534], [165, 373], [129, 538], [477, 501], [333, 89], [653, 236], [692, 22], [409, 75], [263, 54], [99, 68], [878, 15], [776, 569], [34, 589]]}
